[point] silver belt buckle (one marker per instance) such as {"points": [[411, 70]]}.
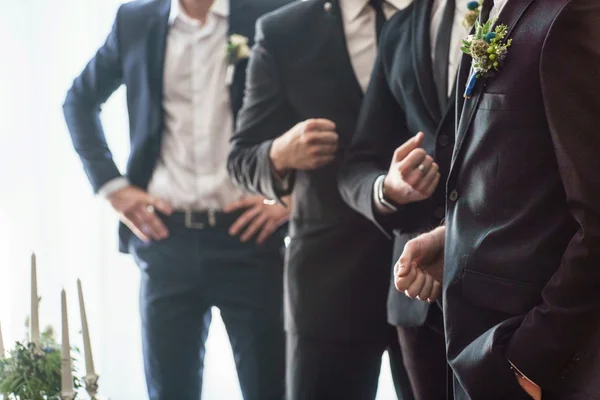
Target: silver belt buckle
{"points": [[189, 222]]}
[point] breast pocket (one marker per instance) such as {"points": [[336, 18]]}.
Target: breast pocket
{"points": [[515, 126], [515, 102], [500, 294]]}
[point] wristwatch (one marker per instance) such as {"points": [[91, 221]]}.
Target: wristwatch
{"points": [[379, 192]]}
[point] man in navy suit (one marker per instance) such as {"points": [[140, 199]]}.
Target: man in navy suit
{"points": [[185, 72]]}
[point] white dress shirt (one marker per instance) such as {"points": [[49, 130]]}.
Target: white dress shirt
{"points": [[191, 169], [361, 35], [498, 7]]}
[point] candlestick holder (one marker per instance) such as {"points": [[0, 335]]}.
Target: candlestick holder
{"points": [[67, 395], [91, 385]]}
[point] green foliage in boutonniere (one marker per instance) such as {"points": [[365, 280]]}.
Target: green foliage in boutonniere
{"points": [[488, 48], [474, 8]]}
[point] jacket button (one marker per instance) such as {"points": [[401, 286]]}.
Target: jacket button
{"points": [[439, 212], [453, 195], [443, 140]]}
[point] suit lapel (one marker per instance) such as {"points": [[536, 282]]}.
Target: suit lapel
{"points": [[510, 16], [242, 19], [422, 63], [335, 54], [155, 52]]}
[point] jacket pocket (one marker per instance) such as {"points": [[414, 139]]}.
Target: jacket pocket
{"points": [[500, 294], [505, 102]]}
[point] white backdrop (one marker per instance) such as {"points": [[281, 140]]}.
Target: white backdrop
{"points": [[46, 203]]}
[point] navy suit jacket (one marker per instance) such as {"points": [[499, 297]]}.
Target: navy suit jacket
{"points": [[133, 55]]}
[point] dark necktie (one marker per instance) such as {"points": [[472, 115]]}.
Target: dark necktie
{"points": [[379, 16], [442, 53], [486, 9]]}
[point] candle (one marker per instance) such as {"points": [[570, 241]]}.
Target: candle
{"points": [[1, 344], [35, 320], [66, 368], [87, 346]]}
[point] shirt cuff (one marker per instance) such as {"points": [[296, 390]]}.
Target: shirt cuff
{"points": [[113, 186], [380, 208], [281, 183]]}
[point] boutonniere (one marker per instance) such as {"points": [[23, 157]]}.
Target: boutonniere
{"points": [[474, 8], [488, 49], [237, 50]]}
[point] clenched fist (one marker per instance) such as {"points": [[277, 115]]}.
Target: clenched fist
{"points": [[419, 271], [413, 175], [308, 145]]}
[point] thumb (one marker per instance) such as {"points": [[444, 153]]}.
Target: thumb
{"points": [[405, 276], [409, 257], [413, 143]]}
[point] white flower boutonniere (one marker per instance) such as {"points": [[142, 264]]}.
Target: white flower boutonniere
{"points": [[237, 50]]}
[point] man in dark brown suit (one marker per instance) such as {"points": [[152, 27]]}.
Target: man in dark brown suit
{"points": [[521, 278]]}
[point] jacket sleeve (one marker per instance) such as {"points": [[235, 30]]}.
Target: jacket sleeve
{"points": [[568, 315], [265, 115], [381, 128], [100, 78]]}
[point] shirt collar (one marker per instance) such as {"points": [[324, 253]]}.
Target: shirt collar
{"points": [[499, 6], [351, 9], [219, 7]]}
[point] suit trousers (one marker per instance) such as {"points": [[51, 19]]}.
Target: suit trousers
{"points": [[326, 369], [186, 275], [424, 353]]}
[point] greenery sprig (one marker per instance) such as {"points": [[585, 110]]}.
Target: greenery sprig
{"points": [[33, 372], [488, 48]]}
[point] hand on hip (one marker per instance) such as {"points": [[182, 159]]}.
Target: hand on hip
{"points": [[137, 210]]}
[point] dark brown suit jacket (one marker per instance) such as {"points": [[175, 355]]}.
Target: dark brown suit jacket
{"points": [[522, 277]]}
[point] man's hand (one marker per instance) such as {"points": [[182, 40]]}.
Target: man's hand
{"points": [[531, 388], [261, 215], [413, 176], [308, 145], [419, 271], [136, 210]]}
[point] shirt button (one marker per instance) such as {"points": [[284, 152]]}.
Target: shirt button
{"points": [[439, 212], [453, 195], [443, 140]]}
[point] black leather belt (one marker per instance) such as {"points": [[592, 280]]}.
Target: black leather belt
{"points": [[204, 219]]}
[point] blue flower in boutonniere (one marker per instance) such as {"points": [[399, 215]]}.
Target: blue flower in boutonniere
{"points": [[488, 49], [237, 50], [474, 8]]}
